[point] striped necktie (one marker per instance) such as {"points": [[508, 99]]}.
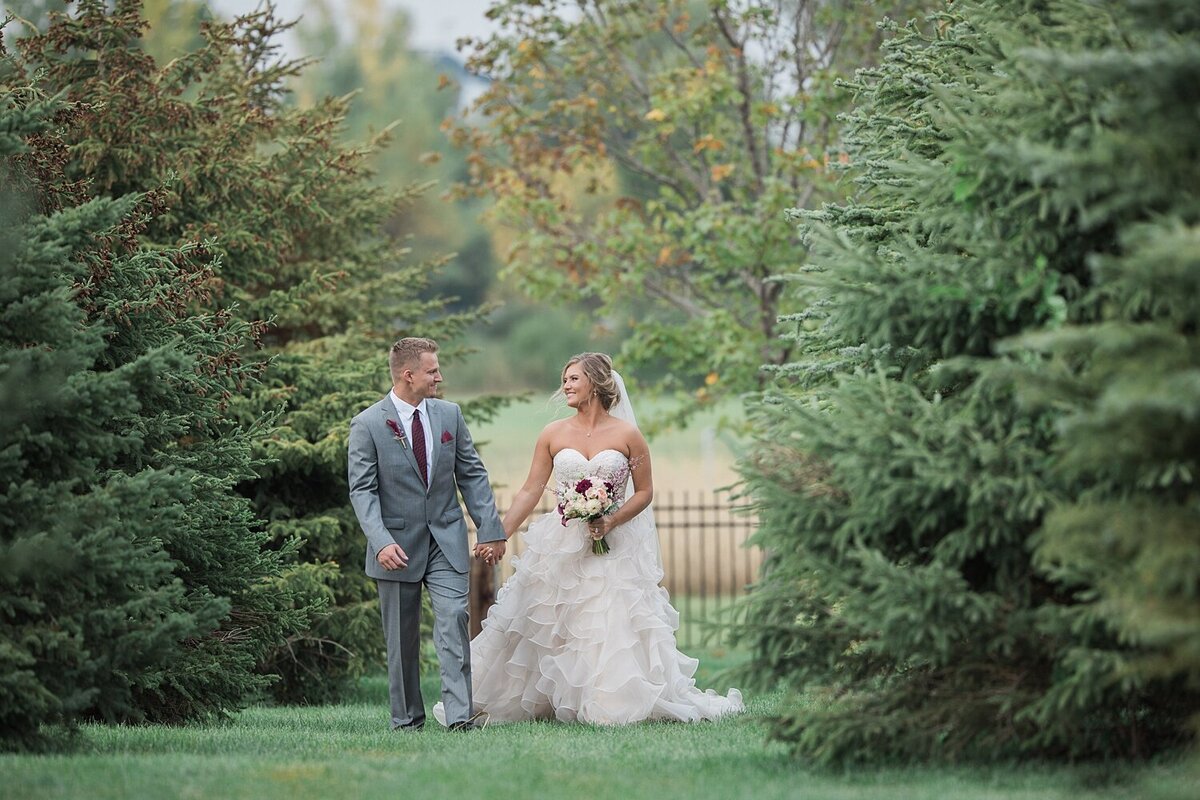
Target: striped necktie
{"points": [[418, 440]]}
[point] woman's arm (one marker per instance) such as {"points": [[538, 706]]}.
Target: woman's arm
{"points": [[530, 494]]}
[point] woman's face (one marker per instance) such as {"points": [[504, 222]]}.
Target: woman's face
{"points": [[575, 386]]}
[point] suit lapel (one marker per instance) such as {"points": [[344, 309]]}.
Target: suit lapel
{"points": [[388, 409], [435, 431]]}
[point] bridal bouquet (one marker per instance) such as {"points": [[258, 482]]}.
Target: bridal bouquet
{"points": [[587, 498]]}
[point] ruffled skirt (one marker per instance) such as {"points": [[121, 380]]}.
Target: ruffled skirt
{"points": [[576, 636]]}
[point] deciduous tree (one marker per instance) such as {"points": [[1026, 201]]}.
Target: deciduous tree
{"points": [[642, 155]]}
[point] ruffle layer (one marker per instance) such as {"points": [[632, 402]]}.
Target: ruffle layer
{"points": [[578, 636]]}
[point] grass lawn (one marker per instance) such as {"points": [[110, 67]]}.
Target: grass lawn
{"points": [[347, 751]]}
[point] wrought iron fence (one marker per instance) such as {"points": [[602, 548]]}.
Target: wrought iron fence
{"points": [[706, 563]]}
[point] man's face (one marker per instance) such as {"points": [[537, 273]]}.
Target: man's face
{"points": [[426, 376]]}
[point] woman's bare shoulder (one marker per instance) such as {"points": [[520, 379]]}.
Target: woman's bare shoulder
{"points": [[630, 435], [555, 426], [626, 428], [553, 431]]}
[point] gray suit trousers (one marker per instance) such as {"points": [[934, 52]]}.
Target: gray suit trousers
{"points": [[400, 607]]}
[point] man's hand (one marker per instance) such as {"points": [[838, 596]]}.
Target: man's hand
{"points": [[490, 552], [392, 557]]}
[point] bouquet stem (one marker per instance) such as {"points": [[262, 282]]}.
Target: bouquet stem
{"points": [[599, 546]]}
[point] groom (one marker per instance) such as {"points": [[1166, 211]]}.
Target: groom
{"points": [[410, 455]]}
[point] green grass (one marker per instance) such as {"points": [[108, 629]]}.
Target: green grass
{"points": [[700, 620], [347, 751]]}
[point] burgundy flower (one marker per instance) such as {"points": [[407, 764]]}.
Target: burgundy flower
{"points": [[397, 432], [583, 486]]}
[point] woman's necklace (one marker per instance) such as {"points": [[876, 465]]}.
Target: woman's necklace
{"points": [[586, 432]]}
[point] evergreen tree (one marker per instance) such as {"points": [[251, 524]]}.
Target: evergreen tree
{"points": [[294, 216], [118, 460], [1125, 382], [903, 485]]}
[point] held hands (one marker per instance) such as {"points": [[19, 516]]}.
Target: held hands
{"points": [[392, 557], [490, 552]]}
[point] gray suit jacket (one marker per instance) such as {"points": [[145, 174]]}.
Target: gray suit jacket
{"points": [[393, 505]]}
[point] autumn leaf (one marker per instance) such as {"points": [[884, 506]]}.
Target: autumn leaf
{"points": [[664, 256], [711, 378], [720, 172], [444, 81], [655, 115], [708, 142]]}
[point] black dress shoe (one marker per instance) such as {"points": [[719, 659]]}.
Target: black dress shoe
{"points": [[411, 728], [476, 722]]}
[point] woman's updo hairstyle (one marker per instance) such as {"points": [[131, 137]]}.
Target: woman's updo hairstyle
{"points": [[598, 369]]}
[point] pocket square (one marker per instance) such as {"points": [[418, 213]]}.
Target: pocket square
{"points": [[447, 437]]}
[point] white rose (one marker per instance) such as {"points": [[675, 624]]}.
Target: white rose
{"points": [[593, 507]]}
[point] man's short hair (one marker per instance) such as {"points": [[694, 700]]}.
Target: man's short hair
{"points": [[406, 354]]}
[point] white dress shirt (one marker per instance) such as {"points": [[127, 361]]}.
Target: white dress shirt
{"points": [[405, 412]]}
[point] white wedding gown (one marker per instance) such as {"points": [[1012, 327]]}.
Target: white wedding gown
{"points": [[576, 636]]}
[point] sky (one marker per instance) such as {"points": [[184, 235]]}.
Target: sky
{"points": [[436, 23]]}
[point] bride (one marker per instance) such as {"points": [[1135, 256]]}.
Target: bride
{"points": [[576, 635]]}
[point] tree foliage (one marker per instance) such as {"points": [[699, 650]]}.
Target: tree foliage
{"points": [[1124, 381], [642, 153], [133, 579], [976, 480], [295, 223], [364, 49]]}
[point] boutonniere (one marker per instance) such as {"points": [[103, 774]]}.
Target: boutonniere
{"points": [[447, 437], [397, 432]]}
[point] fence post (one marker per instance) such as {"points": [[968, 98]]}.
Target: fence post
{"points": [[482, 593]]}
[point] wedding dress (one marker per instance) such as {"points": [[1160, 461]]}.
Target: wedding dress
{"points": [[576, 636]]}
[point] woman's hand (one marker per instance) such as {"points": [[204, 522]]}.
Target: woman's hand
{"points": [[490, 552], [599, 528]]}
